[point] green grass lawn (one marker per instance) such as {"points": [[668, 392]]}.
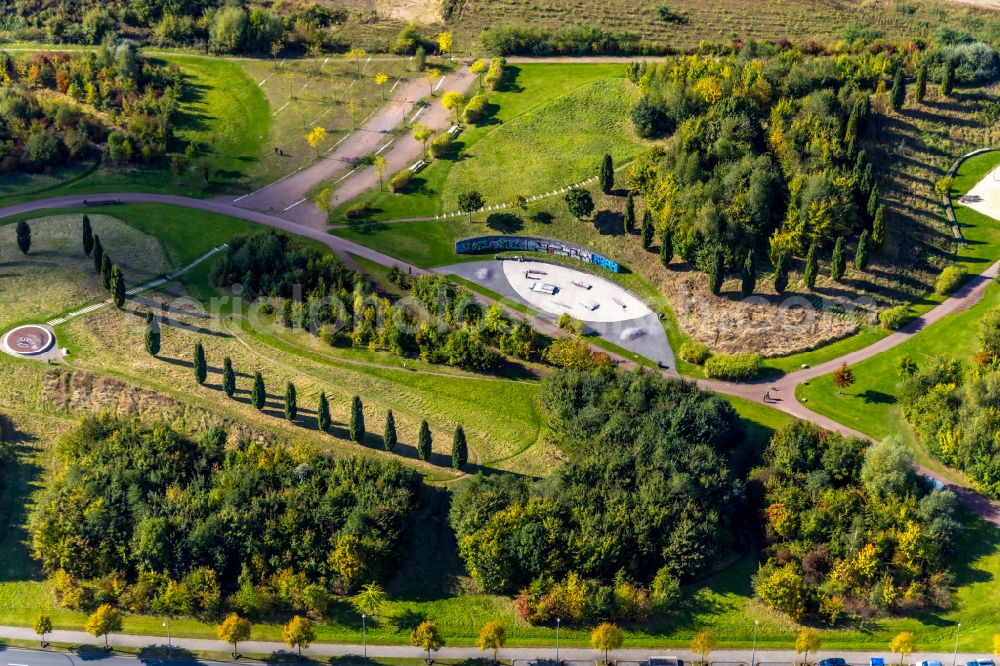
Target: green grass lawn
{"points": [[531, 91]]}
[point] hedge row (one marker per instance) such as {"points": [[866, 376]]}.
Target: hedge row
{"points": [[736, 367]]}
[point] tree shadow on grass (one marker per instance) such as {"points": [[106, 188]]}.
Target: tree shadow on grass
{"points": [[507, 223], [163, 655], [17, 480], [871, 397], [609, 223]]}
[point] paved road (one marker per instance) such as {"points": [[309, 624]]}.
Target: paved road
{"points": [[286, 197], [783, 388], [26, 657]]}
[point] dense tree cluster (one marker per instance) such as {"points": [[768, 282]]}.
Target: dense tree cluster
{"points": [[852, 531], [650, 495], [144, 518], [224, 27], [60, 106], [955, 408], [273, 264], [764, 154]]}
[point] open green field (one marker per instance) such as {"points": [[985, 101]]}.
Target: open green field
{"points": [[501, 155]]}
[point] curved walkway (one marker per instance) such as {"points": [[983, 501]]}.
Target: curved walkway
{"points": [[784, 387]]}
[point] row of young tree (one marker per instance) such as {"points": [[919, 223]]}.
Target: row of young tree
{"points": [[110, 97], [650, 496], [852, 531], [954, 406], [357, 431], [145, 519]]}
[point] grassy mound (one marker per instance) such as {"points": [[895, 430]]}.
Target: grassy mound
{"points": [[554, 145]]}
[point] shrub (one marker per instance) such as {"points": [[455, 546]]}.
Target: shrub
{"points": [[694, 352], [358, 211], [475, 109], [494, 75], [442, 146], [895, 318], [401, 181], [949, 279], [735, 367]]}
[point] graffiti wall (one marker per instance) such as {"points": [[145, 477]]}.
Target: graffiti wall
{"points": [[494, 244]]}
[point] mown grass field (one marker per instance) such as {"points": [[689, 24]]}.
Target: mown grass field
{"points": [[523, 101]]}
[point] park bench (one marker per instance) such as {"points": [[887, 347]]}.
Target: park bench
{"points": [[102, 202], [417, 166], [454, 130]]}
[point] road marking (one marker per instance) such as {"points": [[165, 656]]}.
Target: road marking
{"points": [[439, 83], [306, 84], [324, 62], [369, 116], [342, 139], [240, 198], [395, 84], [348, 174], [377, 152], [17, 665], [281, 109], [264, 80], [295, 204], [419, 111]]}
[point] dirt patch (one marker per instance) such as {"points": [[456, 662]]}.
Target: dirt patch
{"points": [[421, 12], [85, 393]]}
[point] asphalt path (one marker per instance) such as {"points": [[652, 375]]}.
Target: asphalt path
{"points": [[185, 647]]}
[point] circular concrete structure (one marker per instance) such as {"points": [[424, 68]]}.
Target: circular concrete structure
{"points": [[29, 340]]}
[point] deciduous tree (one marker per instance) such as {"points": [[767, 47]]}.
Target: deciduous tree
{"points": [[453, 101], [43, 626], [103, 621], [370, 600], [843, 377], [427, 637], [807, 641], [606, 637], [298, 633], [903, 644], [492, 636], [423, 134], [381, 78], [469, 202], [234, 630], [379, 163], [703, 643], [316, 137], [579, 202]]}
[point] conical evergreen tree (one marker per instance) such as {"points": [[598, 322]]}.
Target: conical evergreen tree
{"points": [[291, 405], [424, 441], [389, 438], [749, 274], [780, 275], [228, 378], [607, 175], [716, 271], [258, 394], [647, 229], [323, 413], [897, 96], [98, 255], [357, 426], [629, 217], [851, 130], [873, 202], [921, 88], [200, 364], [459, 449], [948, 77], [666, 246], [152, 334], [88, 236], [812, 268], [117, 287], [861, 254], [106, 272], [837, 264], [878, 228], [23, 233]]}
